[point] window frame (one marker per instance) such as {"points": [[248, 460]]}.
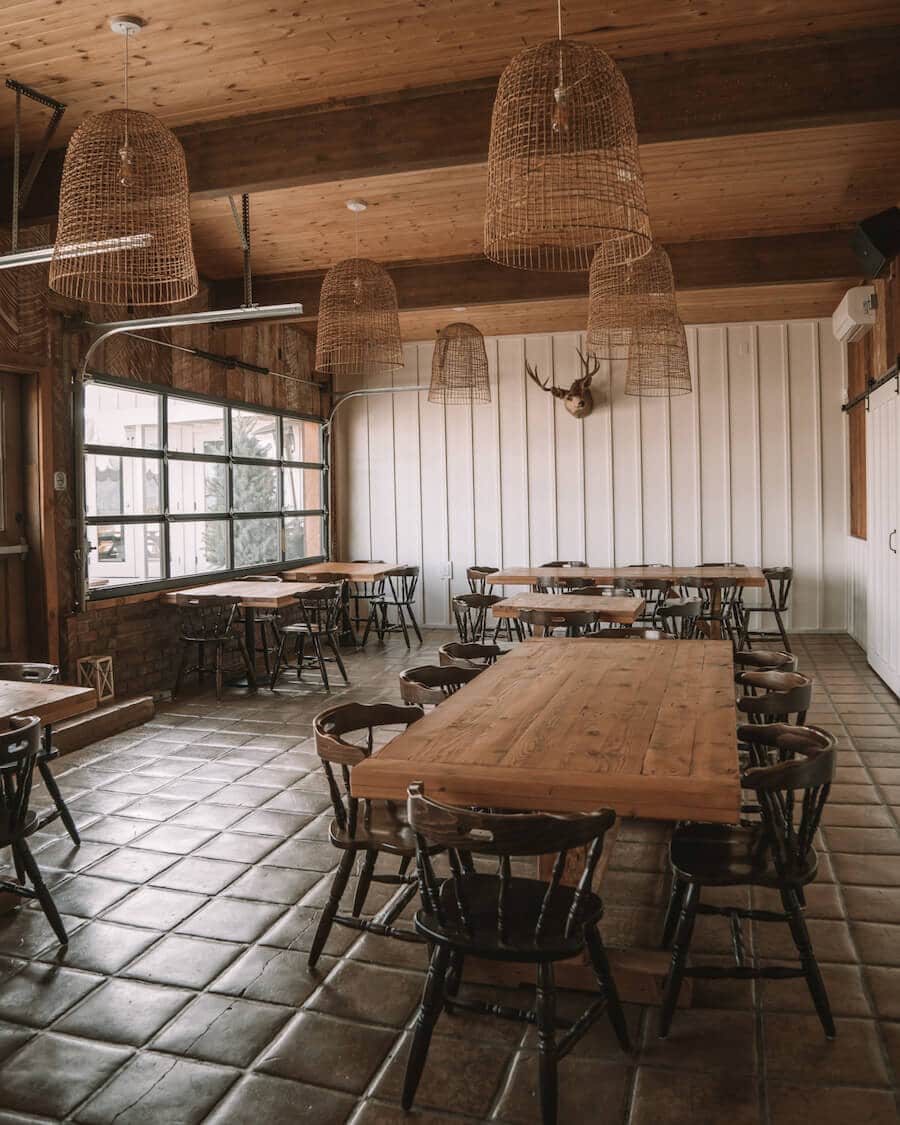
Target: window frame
{"points": [[165, 518]]}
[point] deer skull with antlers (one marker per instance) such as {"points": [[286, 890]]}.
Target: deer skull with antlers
{"points": [[578, 399]]}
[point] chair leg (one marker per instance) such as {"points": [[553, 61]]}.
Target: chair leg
{"points": [[338, 659], [429, 1010], [338, 886], [373, 613], [317, 650], [57, 797], [414, 623], [779, 621], [179, 672], [248, 662], [220, 673], [18, 863], [679, 958], [365, 881], [43, 895], [263, 633], [301, 647], [600, 964], [545, 1010], [454, 978], [279, 658], [800, 934], [676, 898], [401, 617]]}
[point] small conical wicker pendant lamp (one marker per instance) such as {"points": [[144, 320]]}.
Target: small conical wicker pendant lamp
{"points": [[657, 367], [124, 234], [635, 299], [459, 368], [564, 177]]}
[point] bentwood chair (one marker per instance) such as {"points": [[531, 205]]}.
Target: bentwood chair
{"points": [[559, 585], [778, 581], [509, 919], [400, 595], [267, 623], [20, 747], [44, 674], [461, 655], [764, 660], [207, 621], [777, 853], [775, 697], [318, 623], [432, 683], [346, 735], [576, 622]]}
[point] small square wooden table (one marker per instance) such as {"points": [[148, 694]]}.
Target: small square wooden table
{"points": [[621, 610], [351, 571], [52, 703]]}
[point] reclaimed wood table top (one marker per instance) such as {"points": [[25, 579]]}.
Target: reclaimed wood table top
{"points": [[253, 595], [606, 576], [647, 728], [50, 702], [624, 610], [352, 571]]}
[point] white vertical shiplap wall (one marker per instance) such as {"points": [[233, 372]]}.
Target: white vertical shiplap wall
{"points": [[750, 467], [857, 582]]}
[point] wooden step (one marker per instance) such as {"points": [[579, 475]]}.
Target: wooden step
{"points": [[111, 718]]}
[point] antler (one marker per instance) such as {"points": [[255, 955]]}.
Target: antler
{"points": [[557, 392], [591, 365]]}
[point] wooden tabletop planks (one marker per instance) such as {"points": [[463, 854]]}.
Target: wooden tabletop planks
{"points": [[605, 576], [50, 702], [253, 595], [353, 572], [624, 610], [567, 725]]}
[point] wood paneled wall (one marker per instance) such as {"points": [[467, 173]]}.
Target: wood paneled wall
{"points": [[750, 467]]}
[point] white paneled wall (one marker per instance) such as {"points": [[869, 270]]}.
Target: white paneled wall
{"points": [[857, 582], [750, 467]]}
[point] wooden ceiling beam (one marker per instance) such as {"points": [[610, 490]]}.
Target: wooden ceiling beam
{"points": [[724, 263], [756, 88]]}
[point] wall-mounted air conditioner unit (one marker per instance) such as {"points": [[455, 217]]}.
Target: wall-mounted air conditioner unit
{"points": [[855, 315]]}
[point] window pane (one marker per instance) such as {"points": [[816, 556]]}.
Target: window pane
{"points": [[115, 416], [196, 427], [121, 486], [255, 488], [198, 486], [302, 440], [257, 541], [302, 489], [303, 537], [254, 435], [197, 546], [124, 553]]}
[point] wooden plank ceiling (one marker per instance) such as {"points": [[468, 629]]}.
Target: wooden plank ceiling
{"points": [[773, 125]]}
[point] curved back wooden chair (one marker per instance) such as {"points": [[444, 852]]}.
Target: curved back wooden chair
{"points": [[576, 622], [559, 585], [779, 580], [720, 597], [471, 612], [504, 918], [764, 660], [346, 735], [20, 747], [476, 576], [207, 621], [432, 683], [678, 617], [461, 655], [777, 853], [654, 591], [775, 697], [319, 620], [400, 595], [34, 673]]}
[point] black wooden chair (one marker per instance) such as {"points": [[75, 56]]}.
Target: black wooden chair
{"points": [[720, 597], [345, 736], [575, 622], [777, 852], [654, 591], [207, 621], [778, 581], [360, 596], [432, 683], [20, 748], [44, 674], [472, 614], [468, 655], [476, 576], [678, 617], [400, 595], [320, 614], [267, 621], [559, 585], [764, 660], [510, 919], [774, 697]]}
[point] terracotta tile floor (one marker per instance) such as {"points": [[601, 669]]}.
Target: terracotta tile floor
{"points": [[184, 994]]}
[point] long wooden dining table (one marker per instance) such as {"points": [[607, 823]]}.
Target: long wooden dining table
{"points": [[618, 609], [608, 575], [646, 728]]}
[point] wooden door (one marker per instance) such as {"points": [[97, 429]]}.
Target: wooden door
{"points": [[13, 556], [883, 594]]}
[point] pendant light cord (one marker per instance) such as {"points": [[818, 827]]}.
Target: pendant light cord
{"points": [[559, 19], [356, 230], [126, 37]]}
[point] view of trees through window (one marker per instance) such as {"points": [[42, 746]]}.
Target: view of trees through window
{"points": [[176, 487]]}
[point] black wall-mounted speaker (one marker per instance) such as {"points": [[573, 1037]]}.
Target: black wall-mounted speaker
{"points": [[876, 241]]}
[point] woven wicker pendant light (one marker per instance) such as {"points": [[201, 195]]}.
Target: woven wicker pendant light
{"points": [[657, 367], [459, 368], [564, 177], [635, 299], [124, 234]]}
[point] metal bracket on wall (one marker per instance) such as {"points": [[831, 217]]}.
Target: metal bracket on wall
{"points": [[872, 385], [21, 192]]}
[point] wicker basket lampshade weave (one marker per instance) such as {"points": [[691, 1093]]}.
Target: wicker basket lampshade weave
{"points": [[459, 368], [359, 325], [124, 234], [657, 367], [635, 299], [564, 177]]}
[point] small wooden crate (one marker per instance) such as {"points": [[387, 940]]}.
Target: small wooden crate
{"points": [[97, 672]]}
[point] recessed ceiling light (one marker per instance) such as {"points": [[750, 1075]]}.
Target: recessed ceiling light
{"points": [[357, 205], [459, 308]]}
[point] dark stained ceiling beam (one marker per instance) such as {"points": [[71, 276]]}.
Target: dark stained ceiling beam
{"points": [[756, 88], [727, 263]]}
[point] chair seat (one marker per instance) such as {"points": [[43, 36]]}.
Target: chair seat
{"points": [[522, 908], [721, 855], [385, 828], [6, 834], [302, 627]]}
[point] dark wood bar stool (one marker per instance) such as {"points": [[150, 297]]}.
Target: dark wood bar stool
{"points": [[20, 747], [462, 655], [44, 674], [678, 617], [432, 683], [575, 622], [509, 919], [400, 595], [345, 736], [207, 621], [267, 623], [319, 622], [778, 581]]}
